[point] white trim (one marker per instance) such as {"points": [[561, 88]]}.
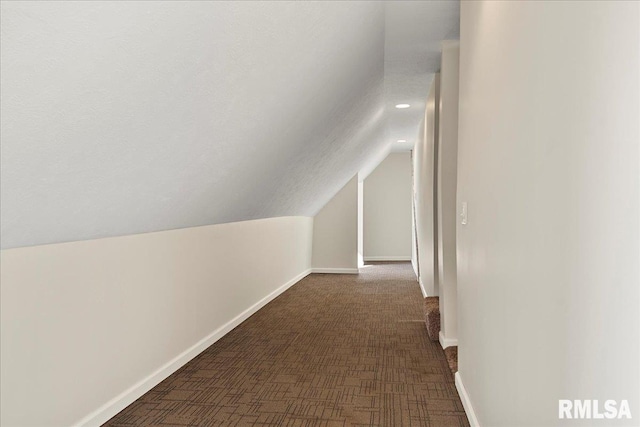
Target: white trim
{"points": [[335, 270], [424, 292], [446, 342], [415, 268], [118, 403], [466, 402], [388, 258]]}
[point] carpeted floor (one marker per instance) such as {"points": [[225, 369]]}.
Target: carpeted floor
{"points": [[333, 350]]}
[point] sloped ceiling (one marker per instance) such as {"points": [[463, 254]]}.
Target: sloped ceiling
{"points": [[130, 117], [413, 47]]}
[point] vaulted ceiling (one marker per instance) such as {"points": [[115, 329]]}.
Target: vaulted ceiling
{"points": [[129, 117], [414, 32]]}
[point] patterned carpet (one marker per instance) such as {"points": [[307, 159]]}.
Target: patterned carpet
{"points": [[333, 350]]}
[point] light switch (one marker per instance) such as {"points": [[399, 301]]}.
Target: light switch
{"points": [[463, 214]]}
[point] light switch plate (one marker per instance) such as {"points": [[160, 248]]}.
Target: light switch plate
{"points": [[463, 214]]}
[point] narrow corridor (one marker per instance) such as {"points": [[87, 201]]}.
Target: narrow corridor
{"points": [[333, 350]]}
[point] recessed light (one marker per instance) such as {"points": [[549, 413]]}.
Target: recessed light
{"points": [[403, 106], [402, 140]]}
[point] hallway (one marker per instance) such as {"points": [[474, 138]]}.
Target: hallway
{"points": [[333, 350]]}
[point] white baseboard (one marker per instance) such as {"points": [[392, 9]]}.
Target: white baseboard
{"points": [[424, 292], [466, 402], [118, 403], [387, 258], [335, 270], [415, 268], [447, 342]]}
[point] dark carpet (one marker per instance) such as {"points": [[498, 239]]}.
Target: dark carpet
{"points": [[451, 353], [333, 350]]}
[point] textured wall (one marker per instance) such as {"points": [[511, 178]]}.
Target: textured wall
{"points": [[129, 117]]}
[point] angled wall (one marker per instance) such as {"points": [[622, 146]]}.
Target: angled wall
{"points": [[129, 117], [549, 165], [125, 118], [88, 327], [447, 181], [335, 232], [387, 210]]}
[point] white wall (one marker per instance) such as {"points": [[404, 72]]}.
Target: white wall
{"points": [[415, 156], [548, 151], [447, 180], [335, 232], [387, 210], [360, 223], [425, 155], [83, 322], [414, 253]]}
